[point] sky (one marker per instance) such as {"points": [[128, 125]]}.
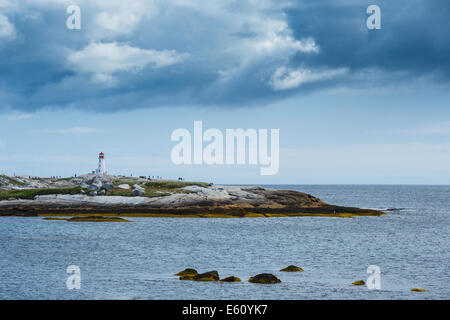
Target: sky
{"points": [[352, 105]]}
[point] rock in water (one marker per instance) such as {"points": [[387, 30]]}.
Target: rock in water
{"points": [[292, 268], [418, 290], [231, 279], [188, 277], [108, 186], [207, 276], [187, 272], [264, 278], [359, 283]]}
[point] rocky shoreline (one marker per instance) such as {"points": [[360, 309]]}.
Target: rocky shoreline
{"points": [[148, 198]]}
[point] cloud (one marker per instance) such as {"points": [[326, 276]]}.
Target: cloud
{"points": [[143, 54], [431, 129], [105, 59], [7, 30], [285, 78], [67, 130], [15, 115]]}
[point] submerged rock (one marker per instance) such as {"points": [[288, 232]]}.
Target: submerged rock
{"points": [[230, 279], [292, 268], [359, 283], [187, 272], [96, 219], [264, 278], [418, 290]]}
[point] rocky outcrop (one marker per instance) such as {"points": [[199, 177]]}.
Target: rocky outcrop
{"points": [[108, 186], [292, 268], [230, 279], [265, 278], [189, 201], [137, 191], [187, 272], [207, 276]]}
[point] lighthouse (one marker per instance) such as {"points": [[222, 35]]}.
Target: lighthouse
{"points": [[101, 169]]}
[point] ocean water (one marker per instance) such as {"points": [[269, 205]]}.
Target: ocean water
{"points": [[137, 260]]}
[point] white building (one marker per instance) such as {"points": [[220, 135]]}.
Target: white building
{"points": [[101, 169]]}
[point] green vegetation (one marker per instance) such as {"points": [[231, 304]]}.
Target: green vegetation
{"points": [[152, 189], [127, 193], [155, 188], [31, 193], [174, 184]]}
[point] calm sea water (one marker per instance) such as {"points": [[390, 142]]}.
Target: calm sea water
{"points": [[137, 260]]}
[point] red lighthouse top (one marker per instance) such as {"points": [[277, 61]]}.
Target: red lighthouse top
{"points": [[101, 155]]}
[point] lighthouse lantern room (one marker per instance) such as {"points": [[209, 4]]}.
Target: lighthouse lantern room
{"points": [[101, 169]]}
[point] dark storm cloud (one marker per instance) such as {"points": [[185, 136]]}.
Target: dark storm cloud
{"points": [[414, 35], [231, 54]]}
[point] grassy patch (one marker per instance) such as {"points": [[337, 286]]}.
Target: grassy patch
{"points": [[156, 188], [150, 193], [31, 193], [174, 184]]}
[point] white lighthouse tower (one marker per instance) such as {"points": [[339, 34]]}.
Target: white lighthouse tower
{"points": [[101, 164]]}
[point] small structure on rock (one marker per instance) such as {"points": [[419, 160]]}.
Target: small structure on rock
{"points": [[101, 169]]}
